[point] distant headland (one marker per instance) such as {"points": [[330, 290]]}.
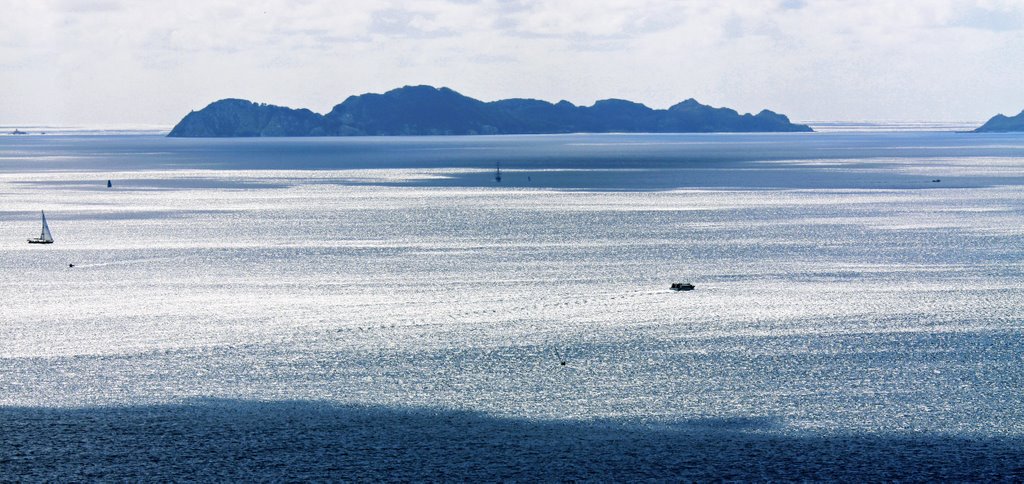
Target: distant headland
{"points": [[1002, 124], [426, 110]]}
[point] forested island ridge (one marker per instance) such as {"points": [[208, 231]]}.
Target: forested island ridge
{"points": [[1003, 124], [426, 110]]}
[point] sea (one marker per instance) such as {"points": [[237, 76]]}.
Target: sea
{"points": [[383, 309]]}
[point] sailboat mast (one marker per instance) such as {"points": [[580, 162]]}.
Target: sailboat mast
{"points": [[45, 235]]}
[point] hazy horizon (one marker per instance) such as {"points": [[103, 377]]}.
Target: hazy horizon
{"points": [[837, 125], [103, 62]]}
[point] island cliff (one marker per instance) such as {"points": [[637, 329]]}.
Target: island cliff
{"points": [[425, 110], [1002, 124]]}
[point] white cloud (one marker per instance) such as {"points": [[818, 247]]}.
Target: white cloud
{"points": [[105, 61]]}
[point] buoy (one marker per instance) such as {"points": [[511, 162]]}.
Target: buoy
{"points": [[109, 184], [71, 265]]}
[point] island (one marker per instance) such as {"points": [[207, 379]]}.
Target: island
{"points": [[426, 110], [1003, 124]]}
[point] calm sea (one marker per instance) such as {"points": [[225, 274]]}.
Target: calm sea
{"points": [[372, 308]]}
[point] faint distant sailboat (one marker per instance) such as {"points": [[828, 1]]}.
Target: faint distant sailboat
{"points": [[497, 174], [45, 237], [109, 184]]}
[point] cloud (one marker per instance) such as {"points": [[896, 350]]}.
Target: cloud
{"points": [[995, 17], [87, 6], [109, 61]]}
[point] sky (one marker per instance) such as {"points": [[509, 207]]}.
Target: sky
{"points": [[113, 62]]}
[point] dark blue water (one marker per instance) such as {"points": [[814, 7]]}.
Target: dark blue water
{"points": [[647, 161], [215, 440]]}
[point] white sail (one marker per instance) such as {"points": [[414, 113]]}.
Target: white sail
{"points": [[45, 236]]}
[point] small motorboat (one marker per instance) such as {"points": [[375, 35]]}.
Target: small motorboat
{"points": [[682, 286]]}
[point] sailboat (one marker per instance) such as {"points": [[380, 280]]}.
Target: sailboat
{"points": [[497, 174], [45, 237]]}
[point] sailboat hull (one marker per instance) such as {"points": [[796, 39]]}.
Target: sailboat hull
{"points": [[39, 241]]}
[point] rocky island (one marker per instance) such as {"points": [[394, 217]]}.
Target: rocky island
{"points": [[426, 110], [1002, 124]]}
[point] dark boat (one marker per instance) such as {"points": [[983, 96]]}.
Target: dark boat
{"points": [[682, 286]]}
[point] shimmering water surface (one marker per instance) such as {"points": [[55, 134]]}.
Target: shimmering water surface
{"points": [[858, 310]]}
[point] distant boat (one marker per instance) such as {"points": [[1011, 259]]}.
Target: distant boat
{"points": [[109, 184], [45, 237], [497, 174], [682, 286], [16, 131]]}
